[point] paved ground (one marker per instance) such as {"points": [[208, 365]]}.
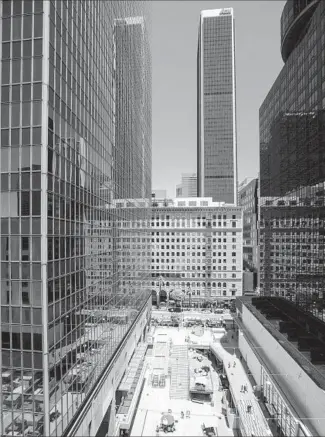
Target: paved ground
{"points": [[254, 421], [155, 401]]}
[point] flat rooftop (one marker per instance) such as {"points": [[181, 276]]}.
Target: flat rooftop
{"points": [[273, 313], [155, 401]]}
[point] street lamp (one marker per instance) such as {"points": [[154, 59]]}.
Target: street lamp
{"points": [[161, 281], [169, 292], [189, 293]]}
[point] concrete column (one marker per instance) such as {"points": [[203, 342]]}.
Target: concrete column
{"points": [[112, 418], [103, 429]]}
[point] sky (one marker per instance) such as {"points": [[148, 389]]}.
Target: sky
{"points": [[174, 50]]}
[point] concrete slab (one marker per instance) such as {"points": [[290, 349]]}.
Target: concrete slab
{"points": [[254, 421], [156, 401]]}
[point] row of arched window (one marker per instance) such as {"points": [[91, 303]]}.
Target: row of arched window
{"points": [[198, 284]]}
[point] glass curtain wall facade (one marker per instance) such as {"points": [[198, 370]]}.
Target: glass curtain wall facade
{"points": [[216, 101], [75, 78], [188, 186], [292, 163], [248, 199], [286, 422]]}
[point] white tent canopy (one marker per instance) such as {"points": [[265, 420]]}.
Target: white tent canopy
{"points": [[201, 380]]}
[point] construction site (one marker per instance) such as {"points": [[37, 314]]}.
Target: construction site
{"points": [[193, 386]]}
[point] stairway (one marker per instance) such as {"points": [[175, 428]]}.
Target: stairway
{"points": [[179, 381]]}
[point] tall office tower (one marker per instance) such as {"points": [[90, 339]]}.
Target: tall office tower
{"points": [[248, 200], [75, 138], [188, 186], [292, 163], [216, 107]]}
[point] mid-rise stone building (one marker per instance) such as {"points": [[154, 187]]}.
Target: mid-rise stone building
{"points": [[196, 249]]}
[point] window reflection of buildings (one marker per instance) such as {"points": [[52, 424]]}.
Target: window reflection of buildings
{"points": [[282, 415], [59, 362], [293, 209], [248, 200], [292, 163]]}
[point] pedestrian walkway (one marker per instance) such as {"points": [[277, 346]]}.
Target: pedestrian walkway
{"points": [[249, 410], [156, 401]]}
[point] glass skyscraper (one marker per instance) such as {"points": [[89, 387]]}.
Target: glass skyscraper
{"points": [[248, 200], [75, 152], [292, 163], [216, 107], [188, 186]]}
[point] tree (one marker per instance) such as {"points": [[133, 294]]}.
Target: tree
{"points": [[177, 295]]}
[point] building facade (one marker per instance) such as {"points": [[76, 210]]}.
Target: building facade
{"points": [[248, 200], [273, 355], [188, 186], [216, 107], [292, 163], [196, 249], [75, 119]]}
